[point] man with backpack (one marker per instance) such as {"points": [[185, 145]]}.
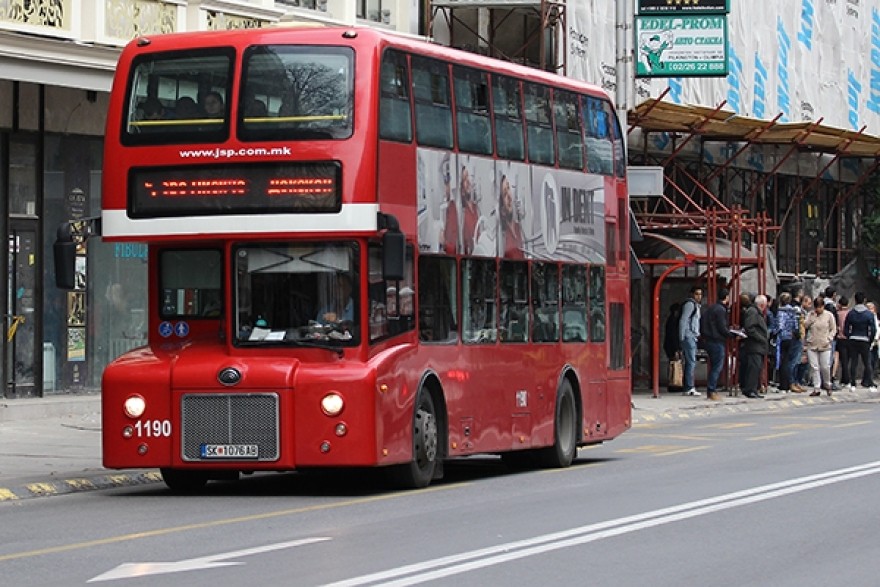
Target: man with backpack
{"points": [[688, 334]]}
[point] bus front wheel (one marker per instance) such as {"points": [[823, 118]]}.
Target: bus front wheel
{"points": [[562, 453], [425, 435]]}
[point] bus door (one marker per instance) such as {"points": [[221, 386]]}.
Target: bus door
{"points": [[21, 364]]}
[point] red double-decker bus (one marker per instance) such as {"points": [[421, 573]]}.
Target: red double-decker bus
{"points": [[364, 250]]}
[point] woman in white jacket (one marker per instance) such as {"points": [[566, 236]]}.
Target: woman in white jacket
{"points": [[821, 329]]}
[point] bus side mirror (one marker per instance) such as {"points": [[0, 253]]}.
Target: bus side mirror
{"points": [[64, 253], [393, 255]]}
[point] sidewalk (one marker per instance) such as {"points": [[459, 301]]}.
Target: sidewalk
{"points": [[52, 446]]}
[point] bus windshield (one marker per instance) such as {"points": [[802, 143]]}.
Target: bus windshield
{"points": [[179, 96], [296, 293], [288, 92], [296, 92]]}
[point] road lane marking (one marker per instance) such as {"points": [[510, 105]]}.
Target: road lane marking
{"points": [[447, 566], [771, 436], [217, 523], [135, 570], [851, 424]]}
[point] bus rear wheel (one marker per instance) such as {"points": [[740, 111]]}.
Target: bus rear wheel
{"points": [[562, 453], [183, 481], [425, 435]]}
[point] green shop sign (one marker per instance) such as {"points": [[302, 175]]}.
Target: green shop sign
{"points": [[676, 46]]}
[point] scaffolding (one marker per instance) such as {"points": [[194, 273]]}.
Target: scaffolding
{"points": [[529, 32], [696, 223]]}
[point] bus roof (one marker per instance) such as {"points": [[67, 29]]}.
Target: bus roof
{"points": [[359, 36]]}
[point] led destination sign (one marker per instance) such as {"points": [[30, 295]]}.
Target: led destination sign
{"points": [[235, 189]]}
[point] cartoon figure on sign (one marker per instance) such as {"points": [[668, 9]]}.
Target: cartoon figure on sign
{"points": [[652, 46]]}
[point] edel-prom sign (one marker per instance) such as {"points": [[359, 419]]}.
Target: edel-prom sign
{"points": [[681, 45]]}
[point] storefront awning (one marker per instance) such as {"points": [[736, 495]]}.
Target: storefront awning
{"points": [[696, 249]]}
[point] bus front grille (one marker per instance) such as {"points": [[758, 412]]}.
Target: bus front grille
{"points": [[227, 421]]}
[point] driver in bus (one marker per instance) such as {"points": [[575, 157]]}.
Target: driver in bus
{"points": [[340, 305]]}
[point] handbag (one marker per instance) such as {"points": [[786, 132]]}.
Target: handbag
{"points": [[676, 373]]}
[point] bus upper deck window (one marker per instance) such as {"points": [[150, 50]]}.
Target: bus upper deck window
{"points": [[178, 97], [296, 92]]}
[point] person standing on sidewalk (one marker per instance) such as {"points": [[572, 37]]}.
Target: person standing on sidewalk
{"points": [[688, 334], [875, 345], [715, 330], [788, 335], [840, 349], [821, 328], [755, 346], [860, 330]]}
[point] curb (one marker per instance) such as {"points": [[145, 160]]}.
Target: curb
{"points": [[769, 403], [78, 485]]}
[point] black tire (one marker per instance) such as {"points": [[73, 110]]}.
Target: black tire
{"points": [[420, 470], [565, 428], [183, 481]]}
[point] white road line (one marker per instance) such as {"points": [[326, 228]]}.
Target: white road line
{"points": [[469, 561]]}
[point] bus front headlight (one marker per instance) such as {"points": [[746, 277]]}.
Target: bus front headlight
{"points": [[134, 406], [332, 404]]}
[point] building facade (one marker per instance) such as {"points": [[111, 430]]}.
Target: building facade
{"points": [[57, 59]]}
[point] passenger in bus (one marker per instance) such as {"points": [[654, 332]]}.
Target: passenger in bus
{"points": [[339, 306], [255, 108], [510, 223], [212, 104], [153, 109], [471, 212], [186, 109]]}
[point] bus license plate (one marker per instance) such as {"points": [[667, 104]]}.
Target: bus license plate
{"points": [[229, 451]]}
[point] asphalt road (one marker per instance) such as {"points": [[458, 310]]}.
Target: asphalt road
{"points": [[748, 499]]}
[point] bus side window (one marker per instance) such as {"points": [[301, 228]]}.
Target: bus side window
{"points": [[472, 111], [574, 303], [568, 130], [432, 103], [544, 296], [479, 324], [597, 304], [395, 115], [437, 309], [507, 112], [538, 125], [391, 302], [514, 279], [597, 129]]}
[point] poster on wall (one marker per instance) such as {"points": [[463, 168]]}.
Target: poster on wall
{"points": [[76, 308], [679, 46], [76, 344]]}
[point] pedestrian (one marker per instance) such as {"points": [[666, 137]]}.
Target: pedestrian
{"points": [[860, 330], [841, 349], [755, 346], [820, 334], [715, 331], [688, 334], [788, 333], [671, 345], [831, 299], [770, 315], [875, 345]]}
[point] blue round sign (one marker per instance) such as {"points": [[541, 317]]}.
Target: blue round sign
{"points": [[166, 329]]}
